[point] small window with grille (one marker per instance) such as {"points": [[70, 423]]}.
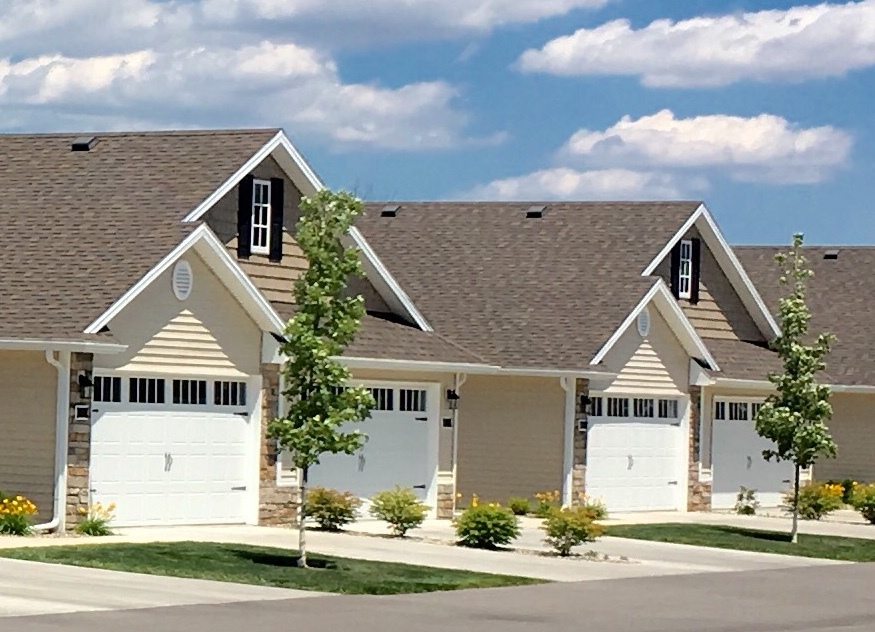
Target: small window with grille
{"points": [[738, 411], [107, 389], [618, 407], [146, 390], [595, 408], [190, 392], [642, 407], [385, 398], [229, 393], [720, 411], [412, 400], [668, 409]]}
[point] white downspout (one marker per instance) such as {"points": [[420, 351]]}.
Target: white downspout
{"points": [[62, 364], [569, 385], [458, 381]]}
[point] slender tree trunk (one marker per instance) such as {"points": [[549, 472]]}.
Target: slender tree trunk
{"points": [[302, 519], [794, 530]]}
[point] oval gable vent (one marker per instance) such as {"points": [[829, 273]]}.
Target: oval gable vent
{"points": [[183, 279], [644, 322]]}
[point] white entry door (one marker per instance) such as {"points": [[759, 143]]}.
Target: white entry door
{"points": [[738, 462], [635, 464], [401, 448], [163, 462]]}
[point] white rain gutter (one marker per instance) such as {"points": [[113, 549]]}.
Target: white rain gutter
{"points": [[62, 364], [569, 385]]}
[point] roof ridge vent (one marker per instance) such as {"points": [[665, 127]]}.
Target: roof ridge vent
{"points": [[84, 143], [390, 210], [535, 212], [832, 254]]}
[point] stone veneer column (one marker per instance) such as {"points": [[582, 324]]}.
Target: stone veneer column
{"points": [[446, 501], [78, 445], [698, 492], [277, 506], [578, 476]]}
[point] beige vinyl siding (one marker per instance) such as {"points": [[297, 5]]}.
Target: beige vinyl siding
{"points": [[853, 429], [656, 364], [28, 390], [207, 334], [719, 312], [511, 434]]}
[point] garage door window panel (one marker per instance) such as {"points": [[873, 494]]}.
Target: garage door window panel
{"points": [[190, 392], [412, 400], [618, 407], [108, 389], [642, 408], [668, 409], [384, 397], [146, 390], [226, 393]]}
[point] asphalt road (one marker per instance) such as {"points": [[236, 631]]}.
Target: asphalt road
{"points": [[816, 599]]}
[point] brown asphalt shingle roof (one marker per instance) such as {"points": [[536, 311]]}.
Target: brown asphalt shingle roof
{"points": [[841, 296], [524, 293], [80, 228]]}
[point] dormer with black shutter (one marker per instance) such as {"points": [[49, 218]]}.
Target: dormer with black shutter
{"points": [[260, 218]]}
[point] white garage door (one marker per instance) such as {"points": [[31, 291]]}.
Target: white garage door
{"points": [[738, 458], [401, 448], [635, 463], [171, 451]]}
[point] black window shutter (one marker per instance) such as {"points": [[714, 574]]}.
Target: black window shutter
{"points": [[696, 271], [675, 269], [244, 218], [277, 199]]}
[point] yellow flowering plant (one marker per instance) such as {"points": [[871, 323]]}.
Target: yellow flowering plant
{"points": [[15, 515], [816, 500], [547, 501], [863, 500], [96, 520]]}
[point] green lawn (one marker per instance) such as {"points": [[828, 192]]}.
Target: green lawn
{"points": [[265, 567], [723, 537]]}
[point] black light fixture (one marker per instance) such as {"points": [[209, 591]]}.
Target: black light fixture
{"points": [[86, 385], [585, 401], [452, 399]]}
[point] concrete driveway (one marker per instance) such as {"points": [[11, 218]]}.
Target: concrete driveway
{"points": [[819, 599], [27, 588]]}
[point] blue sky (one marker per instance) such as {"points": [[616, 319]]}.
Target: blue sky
{"points": [[762, 109]]}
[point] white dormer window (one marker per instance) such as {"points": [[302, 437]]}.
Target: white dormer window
{"points": [[685, 269], [261, 217]]}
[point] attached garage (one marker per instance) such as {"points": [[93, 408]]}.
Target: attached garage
{"points": [[401, 447], [635, 456], [175, 450], [737, 457]]}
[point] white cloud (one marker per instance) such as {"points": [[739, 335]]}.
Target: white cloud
{"points": [[800, 43], [265, 84], [564, 183], [663, 157], [761, 148]]}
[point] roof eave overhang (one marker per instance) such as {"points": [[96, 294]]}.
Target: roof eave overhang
{"points": [[35, 344]]}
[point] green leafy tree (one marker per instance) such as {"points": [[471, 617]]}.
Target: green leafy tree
{"points": [[320, 407], [795, 416]]}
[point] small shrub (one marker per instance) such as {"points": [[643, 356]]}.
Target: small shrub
{"points": [[567, 528], [96, 520], [330, 509], [816, 500], [400, 508], [746, 503], [520, 506], [547, 501], [487, 527], [596, 508], [15, 514], [863, 500]]}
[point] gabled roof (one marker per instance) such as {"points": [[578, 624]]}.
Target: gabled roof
{"points": [[535, 293], [80, 228], [841, 296]]}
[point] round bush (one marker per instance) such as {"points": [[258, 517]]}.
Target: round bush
{"points": [[816, 500], [520, 506], [863, 500], [401, 508], [567, 528], [487, 527], [332, 510]]}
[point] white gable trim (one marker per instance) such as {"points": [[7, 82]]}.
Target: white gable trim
{"points": [[729, 263], [34, 344], [216, 256], [307, 181], [309, 184], [661, 296], [387, 286]]}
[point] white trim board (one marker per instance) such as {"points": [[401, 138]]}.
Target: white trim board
{"points": [[216, 256], [729, 263], [11, 344], [662, 297]]}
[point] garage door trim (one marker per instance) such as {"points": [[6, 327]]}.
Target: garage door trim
{"points": [[252, 445]]}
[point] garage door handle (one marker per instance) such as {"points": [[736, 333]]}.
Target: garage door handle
{"points": [[672, 482], [422, 419], [786, 480], [239, 489], [242, 414], [419, 487]]}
